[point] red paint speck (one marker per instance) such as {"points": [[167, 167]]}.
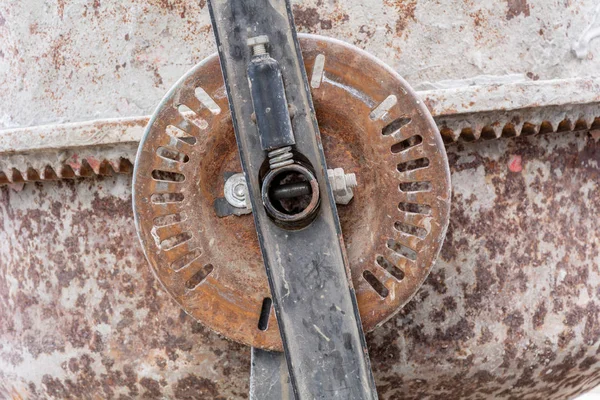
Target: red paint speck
{"points": [[94, 163], [515, 164]]}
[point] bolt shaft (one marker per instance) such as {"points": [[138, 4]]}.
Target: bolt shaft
{"points": [[351, 181], [259, 49]]}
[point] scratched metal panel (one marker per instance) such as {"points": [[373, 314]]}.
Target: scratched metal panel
{"points": [[78, 60]]}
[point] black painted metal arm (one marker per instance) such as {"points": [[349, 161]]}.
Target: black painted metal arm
{"points": [[314, 300]]}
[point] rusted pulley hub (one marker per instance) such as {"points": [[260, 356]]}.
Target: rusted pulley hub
{"points": [[372, 125]]}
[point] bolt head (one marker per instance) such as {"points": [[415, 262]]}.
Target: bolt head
{"points": [[235, 191], [257, 40], [239, 191]]}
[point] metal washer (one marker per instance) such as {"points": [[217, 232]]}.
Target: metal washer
{"points": [[235, 190], [372, 124]]}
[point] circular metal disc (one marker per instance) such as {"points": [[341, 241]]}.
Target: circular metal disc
{"points": [[372, 124]]}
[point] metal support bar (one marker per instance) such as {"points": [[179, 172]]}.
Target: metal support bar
{"points": [[307, 268], [269, 378]]}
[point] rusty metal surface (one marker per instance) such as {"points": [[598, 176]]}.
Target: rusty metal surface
{"points": [[509, 311], [511, 308], [81, 315], [396, 156]]}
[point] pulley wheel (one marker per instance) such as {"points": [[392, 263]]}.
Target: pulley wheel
{"points": [[372, 124]]}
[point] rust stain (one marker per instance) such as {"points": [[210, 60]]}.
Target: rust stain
{"points": [[61, 8], [516, 8], [310, 19], [406, 13], [306, 17]]}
